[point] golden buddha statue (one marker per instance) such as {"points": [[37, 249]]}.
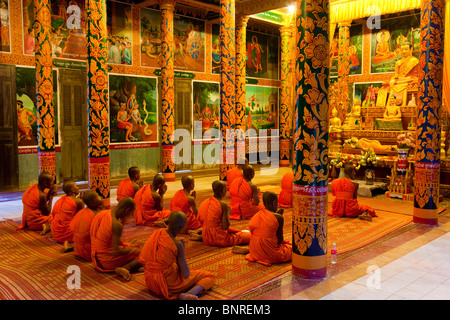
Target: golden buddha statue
{"points": [[354, 116], [406, 67], [392, 117], [335, 122]]}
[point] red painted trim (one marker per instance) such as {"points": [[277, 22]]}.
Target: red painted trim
{"points": [[309, 274], [430, 222]]}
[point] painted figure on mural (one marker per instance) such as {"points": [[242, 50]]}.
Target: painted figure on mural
{"points": [[122, 122], [23, 122], [256, 51], [383, 51], [4, 25], [29, 42], [354, 62]]}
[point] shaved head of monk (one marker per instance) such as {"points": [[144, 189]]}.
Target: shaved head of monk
{"points": [[125, 208], [242, 163], [249, 172], [188, 182], [177, 222], [70, 187], [270, 200], [45, 180], [219, 188], [92, 200], [159, 181]]}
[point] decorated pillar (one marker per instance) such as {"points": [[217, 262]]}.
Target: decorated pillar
{"points": [[427, 159], [97, 99], [44, 88], [285, 105], [343, 67], [310, 163], [167, 89], [227, 84], [241, 53]]}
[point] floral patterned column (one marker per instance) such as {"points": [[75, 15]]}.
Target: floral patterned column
{"points": [[310, 163], [97, 99], [343, 66], [241, 53], [427, 159], [227, 83], [285, 105], [167, 89], [44, 88]]}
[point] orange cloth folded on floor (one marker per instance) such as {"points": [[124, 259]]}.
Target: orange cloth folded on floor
{"points": [[179, 202], [242, 206], [101, 251], [146, 213], [213, 234], [32, 217], [125, 189], [63, 212], [81, 229], [344, 205], [233, 174], [162, 275], [285, 198], [264, 247]]}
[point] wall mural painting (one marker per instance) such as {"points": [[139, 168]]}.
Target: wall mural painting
{"points": [[189, 41], [119, 26], [262, 55], [5, 42], [386, 42], [133, 109], [206, 112], [355, 51], [261, 110], [365, 94], [215, 49], [26, 106]]}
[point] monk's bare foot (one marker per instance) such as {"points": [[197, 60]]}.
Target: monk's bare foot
{"points": [[195, 237], [160, 224], [124, 273], [66, 247], [365, 216], [45, 229], [240, 250], [187, 296]]}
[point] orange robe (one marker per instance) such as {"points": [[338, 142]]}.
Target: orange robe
{"points": [[285, 198], [101, 252], [231, 175], [264, 247], [162, 275], [32, 217], [146, 213], [344, 205], [179, 202], [213, 234], [125, 189], [242, 206], [80, 226], [63, 212]]}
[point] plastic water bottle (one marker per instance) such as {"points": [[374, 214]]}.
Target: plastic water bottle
{"points": [[333, 254]]}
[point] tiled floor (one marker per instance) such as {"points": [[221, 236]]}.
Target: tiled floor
{"points": [[411, 265]]}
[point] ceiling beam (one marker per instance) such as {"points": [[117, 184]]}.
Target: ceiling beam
{"points": [[252, 7]]}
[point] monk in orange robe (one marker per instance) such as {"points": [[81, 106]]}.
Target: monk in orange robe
{"points": [[236, 172], [244, 196], [81, 224], [63, 212], [345, 203], [285, 200], [149, 203], [37, 204], [215, 217], [267, 244], [128, 187], [184, 201], [108, 252], [166, 270]]}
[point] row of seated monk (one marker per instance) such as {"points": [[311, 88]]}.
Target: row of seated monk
{"points": [[94, 234]]}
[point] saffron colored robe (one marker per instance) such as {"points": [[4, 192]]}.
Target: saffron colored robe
{"points": [[63, 212], [285, 198], [32, 217], [242, 206], [125, 189], [81, 229], [344, 205], [179, 202], [146, 213], [264, 247], [213, 234], [162, 275], [101, 252], [231, 175]]}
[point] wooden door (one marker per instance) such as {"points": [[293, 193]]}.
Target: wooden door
{"points": [[183, 115], [9, 164], [73, 125]]}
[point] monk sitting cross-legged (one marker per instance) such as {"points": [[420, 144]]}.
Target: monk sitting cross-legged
{"points": [[184, 201], [236, 172], [285, 198], [108, 252], [345, 203], [244, 196], [128, 187], [63, 212], [215, 216], [149, 203], [267, 244], [81, 224], [166, 270]]}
